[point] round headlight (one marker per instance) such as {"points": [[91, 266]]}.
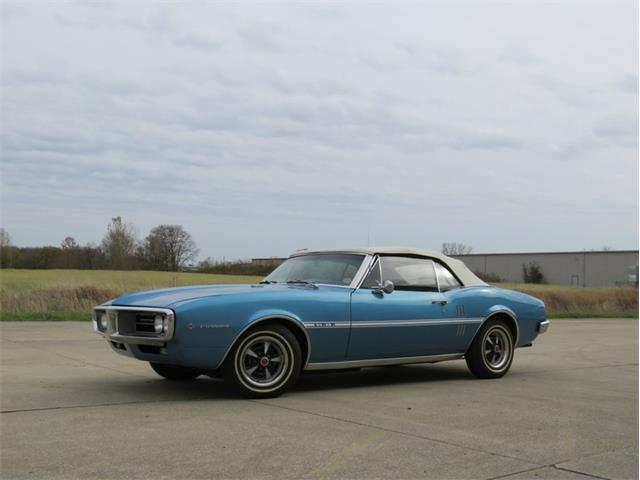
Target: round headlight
{"points": [[103, 321], [158, 324]]}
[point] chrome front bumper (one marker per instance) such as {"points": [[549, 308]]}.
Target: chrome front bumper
{"points": [[543, 326]]}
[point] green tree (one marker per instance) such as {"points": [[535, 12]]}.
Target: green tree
{"points": [[532, 273]]}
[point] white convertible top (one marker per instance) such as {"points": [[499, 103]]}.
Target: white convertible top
{"points": [[466, 276]]}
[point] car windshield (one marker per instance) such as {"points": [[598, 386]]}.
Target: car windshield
{"points": [[333, 269]]}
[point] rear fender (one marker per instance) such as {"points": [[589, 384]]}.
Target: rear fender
{"points": [[507, 313]]}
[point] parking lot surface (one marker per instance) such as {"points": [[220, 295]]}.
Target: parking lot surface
{"points": [[568, 409]]}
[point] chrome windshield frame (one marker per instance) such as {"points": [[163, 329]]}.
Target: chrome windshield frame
{"points": [[374, 262], [362, 272]]}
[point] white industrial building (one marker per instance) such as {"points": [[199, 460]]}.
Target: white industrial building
{"points": [[582, 269]]}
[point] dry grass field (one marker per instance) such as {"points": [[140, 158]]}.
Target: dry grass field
{"points": [[571, 302], [70, 294]]}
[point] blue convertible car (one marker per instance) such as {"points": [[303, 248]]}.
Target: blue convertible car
{"points": [[325, 310]]}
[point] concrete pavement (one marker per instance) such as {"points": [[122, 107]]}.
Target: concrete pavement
{"points": [[568, 409]]}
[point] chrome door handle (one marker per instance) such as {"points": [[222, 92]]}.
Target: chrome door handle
{"points": [[439, 302]]}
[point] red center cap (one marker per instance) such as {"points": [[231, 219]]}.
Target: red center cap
{"points": [[264, 361]]}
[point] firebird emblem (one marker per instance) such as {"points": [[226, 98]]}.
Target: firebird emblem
{"points": [[191, 326]]}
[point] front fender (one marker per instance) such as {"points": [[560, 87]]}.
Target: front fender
{"points": [[215, 325], [266, 314]]}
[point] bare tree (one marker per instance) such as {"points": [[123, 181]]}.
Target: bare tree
{"points": [[5, 238], [455, 248], [119, 244], [169, 247], [70, 250], [5, 248], [69, 243]]}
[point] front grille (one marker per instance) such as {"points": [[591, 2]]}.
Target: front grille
{"points": [[138, 324], [144, 323]]}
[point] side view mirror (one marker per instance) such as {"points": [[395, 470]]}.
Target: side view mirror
{"points": [[386, 287]]}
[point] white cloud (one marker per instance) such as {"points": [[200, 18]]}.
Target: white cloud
{"points": [[264, 129]]}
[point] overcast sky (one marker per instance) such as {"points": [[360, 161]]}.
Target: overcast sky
{"points": [[266, 128]]}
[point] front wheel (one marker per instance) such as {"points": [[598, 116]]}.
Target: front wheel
{"points": [[174, 372], [491, 352], [264, 363]]}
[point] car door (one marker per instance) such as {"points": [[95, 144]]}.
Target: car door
{"points": [[413, 320]]}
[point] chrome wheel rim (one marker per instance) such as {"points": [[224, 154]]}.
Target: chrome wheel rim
{"points": [[496, 348], [263, 361]]}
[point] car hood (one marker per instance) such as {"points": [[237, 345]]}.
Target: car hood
{"points": [[168, 297]]}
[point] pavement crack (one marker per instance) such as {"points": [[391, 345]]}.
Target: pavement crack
{"points": [[507, 475], [47, 340], [551, 465], [398, 432], [90, 405], [590, 475]]}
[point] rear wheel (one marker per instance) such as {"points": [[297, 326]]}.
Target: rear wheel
{"points": [[491, 352], [174, 372], [264, 363]]}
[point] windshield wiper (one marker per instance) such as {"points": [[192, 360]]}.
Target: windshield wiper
{"points": [[267, 282], [302, 282]]}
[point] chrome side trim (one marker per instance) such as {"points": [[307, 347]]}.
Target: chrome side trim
{"points": [[416, 323], [543, 326], [419, 322], [112, 332], [377, 362], [327, 324], [264, 319]]}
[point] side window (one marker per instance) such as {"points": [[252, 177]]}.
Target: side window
{"points": [[408, 273], [445, 278]]}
